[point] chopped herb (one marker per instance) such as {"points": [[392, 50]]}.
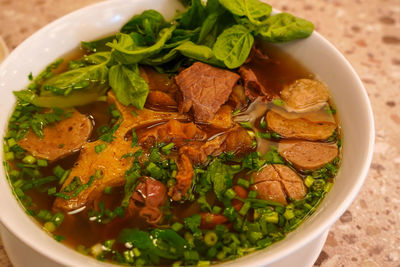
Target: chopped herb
{"points": [[100, 148], [278, 102]]}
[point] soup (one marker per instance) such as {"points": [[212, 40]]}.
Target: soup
{"points": [[173, 158]]}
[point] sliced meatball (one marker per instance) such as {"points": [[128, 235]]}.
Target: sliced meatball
{"points": [[291, 181], [308, 155], [299, 128], [276, 182], [305, 95], [205, 88], [268, 185], [59, 140]]}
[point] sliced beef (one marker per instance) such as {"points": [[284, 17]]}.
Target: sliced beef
{"points": [[305, 95], [205, 88], [147, 199], [59, 140], [109, 161], [159, 99], [223, 118], [172, 131], [308, 155], [276, 182], [253, 88], [184, 178], [299, 128]]}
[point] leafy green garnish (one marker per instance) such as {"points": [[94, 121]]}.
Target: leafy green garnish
{"points": [[256, 11], [129, 87], [285, 27]]}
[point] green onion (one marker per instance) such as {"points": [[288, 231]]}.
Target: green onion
{"points": [[11, 142], [252, 194], [57, 219], [18, 183], [263, 123], [251, 133], [230, 193], [44, 215], [134, 138], [309, 181], [203, 263], [243, 182], [191, 255], [14, 173], [64, 177], [50, 226], [278, 102], [58, 171], [115, 113], [216, 210], [100, 148], [167, 148], [52, 191], [62, 195], [41, 163], [154, 170], [108, 190], [254, 236], [289, 214], [221, 255], [272, 217], [275, 136], [177, 226], [9, 156], [246, 125], [210, 238], [59, 238], [29, 159], [245, 208], [136, 252], [264, 135]]}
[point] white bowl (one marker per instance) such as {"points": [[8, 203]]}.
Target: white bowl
{"points": [[37, 248]]}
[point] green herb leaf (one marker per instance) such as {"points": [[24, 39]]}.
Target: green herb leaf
{"points": [[98, 45], [126, 52], [129, 87], [255, 10], [193, 17], [284, 27], [233, 46]]}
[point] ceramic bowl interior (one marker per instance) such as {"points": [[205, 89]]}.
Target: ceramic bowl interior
{"points": [[317, 54]]}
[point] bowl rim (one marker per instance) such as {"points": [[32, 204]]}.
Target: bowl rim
{"points": [[312, 234]]}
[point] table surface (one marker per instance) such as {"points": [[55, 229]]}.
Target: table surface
{"points": [[367, 32]]}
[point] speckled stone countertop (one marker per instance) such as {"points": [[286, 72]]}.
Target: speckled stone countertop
{"points": [[367, 32]]}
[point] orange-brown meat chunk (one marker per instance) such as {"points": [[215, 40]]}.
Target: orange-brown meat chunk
{"points": [[299, 128], [184, 178], [253, 88], [205, 88], [308, 155], [172, 131], [59, 140]]}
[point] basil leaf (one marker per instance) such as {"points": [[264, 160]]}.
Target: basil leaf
{"points": [[77, 98], [208, 25], [138, 238], [256, 11], [148, 21], [284, 27], [126, 52], [129, 87], [98, 45], [233, 46], [76, 79], [193, 17], [199, 52]]}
